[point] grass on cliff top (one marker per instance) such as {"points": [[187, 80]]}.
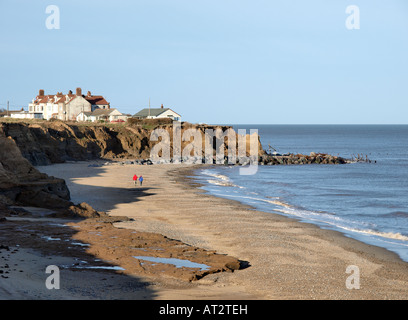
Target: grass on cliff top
{"points": [[149, 124], [115, 125]]}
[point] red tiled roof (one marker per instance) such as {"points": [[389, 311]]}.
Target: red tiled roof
{"points": [[96, 100], [93, 100]]}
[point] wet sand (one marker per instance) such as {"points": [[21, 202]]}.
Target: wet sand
{"points": [[286, 259]]}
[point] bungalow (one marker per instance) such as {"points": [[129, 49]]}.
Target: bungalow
{"points": [[20, 114], [26, 115], [154, 113], [9, 113], [84, 116]]}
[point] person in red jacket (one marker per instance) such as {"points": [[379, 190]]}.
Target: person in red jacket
{"points": [[135, 179]]}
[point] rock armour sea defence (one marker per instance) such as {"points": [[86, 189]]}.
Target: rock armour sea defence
{"points": [[312, 158]]}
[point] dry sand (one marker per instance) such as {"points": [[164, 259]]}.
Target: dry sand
{"points": [[287, 259]]}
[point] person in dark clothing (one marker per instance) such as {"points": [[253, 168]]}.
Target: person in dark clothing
{"points": [[141, 180]]}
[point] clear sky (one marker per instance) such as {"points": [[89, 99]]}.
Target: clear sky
{"points": [[214, 61]]}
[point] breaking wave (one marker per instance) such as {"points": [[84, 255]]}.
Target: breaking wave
{"points": [[338, 222], [365, 226], [387, 235], [220, 180]]}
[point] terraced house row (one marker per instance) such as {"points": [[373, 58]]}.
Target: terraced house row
{"points": [[71, 106]]}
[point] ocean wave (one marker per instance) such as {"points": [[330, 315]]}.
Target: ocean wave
{"points": [[223, 183], [340, 223], [251, 198], [387, 235], [220, 180], [398, 214], [218, 176], [215, 175], [278, 203], [321, 218], [326, 218], [386, 215]]}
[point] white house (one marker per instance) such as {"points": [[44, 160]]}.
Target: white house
{"points": [[20, 114], [84, 116], [66, 106], [26, 115], [155, 113], [111, 115]]}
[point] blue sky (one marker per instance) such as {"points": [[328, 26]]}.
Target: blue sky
{"points": [[224, 61]]}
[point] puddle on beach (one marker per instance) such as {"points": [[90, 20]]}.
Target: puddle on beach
{"points": [[100, 267], [51, 238], [179, 263], [48, 238], [151, 248], [80, 244], [81, 264]]}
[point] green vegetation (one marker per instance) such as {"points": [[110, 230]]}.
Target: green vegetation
{"points": [[147, 124]]}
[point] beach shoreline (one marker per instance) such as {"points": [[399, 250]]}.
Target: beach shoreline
{"points": [[390, 266], [287, 259]]}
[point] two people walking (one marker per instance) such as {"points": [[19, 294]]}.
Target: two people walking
{"points": [[135, 180]]}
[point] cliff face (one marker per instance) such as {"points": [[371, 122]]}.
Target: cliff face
{"points": [[57, 142], [25, 145], [21, 183]]}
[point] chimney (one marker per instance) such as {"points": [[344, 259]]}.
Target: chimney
{"points": [[41, 93], [89, 93], [162, 106], [78, 92]]}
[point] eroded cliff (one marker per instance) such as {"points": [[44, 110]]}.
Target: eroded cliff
{"points": [[24, 145], [44, 143], [21, 183]]}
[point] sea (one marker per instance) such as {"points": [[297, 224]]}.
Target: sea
{"points": [[367, 201]]}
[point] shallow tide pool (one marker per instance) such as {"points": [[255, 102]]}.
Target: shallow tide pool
{"points": [[179, 263]]}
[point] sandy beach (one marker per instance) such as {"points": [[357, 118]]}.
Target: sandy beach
{"points": [[281, 258]]}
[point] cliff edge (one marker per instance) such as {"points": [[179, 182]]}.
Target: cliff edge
{"points": [[48, 142]]}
